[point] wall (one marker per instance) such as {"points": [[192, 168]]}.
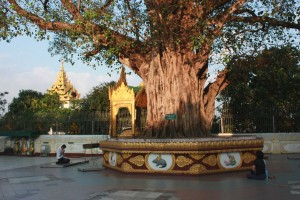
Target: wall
{"points": [[274, 143], [281, 142], [277, 143], [48, 144]]}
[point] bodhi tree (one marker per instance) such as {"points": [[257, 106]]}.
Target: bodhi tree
{"points": [[170, 44]]}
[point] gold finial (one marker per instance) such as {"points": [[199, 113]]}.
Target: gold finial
{"points": [[62, 65], [122, 78]]}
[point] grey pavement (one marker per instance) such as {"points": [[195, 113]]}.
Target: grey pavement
{"points": [[23, 178]]}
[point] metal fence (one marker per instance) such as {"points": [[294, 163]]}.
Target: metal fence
{"points": [[79, 124], [228, 120], [87, 123], [124, 120]]}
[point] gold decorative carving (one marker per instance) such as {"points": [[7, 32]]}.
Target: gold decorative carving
{"points": [[138, 160], [197, 146], [136, 151], [119, 159], [182, 161], [210, 160], [106, 156], [248, 157], [127, 167], [126, 155], [197, 156], [182, 152], [196, 169], [123, 92]]}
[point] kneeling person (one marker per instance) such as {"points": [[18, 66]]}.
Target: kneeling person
{"points": [[258, 171], [60, 155]]}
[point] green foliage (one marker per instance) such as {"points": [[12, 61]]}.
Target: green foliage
{"points": [[266, 83], [139, 23], [3, 101], [37, 112], [48, 107], [271, 78], [30, 108], [97, 99], [27, 102]]}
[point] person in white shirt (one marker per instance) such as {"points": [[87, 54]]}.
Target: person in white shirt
{"points": [[60, 155]]}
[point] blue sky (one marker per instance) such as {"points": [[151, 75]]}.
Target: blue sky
{"points": [[27, 64]]}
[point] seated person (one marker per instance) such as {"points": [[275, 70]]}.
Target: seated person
{"points": [[60, 155], [258, 171]]}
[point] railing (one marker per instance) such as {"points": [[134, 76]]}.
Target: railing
{"points": [[88, 123], [227, 120], [265, 120]]}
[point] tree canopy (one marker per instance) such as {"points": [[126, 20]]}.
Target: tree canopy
{"points": [[30, 102], [97, 99], [170, 44], [26, 101], [266, 84], [271, 78], [29, 108]]}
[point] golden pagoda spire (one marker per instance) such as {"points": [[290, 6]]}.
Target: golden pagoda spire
{"points": [[62, 65], [122, 78], [64, 88]]}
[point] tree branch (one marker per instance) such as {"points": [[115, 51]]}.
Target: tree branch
{"points": [[222, 18], [41, 23], [94, 51], [209, 6], [72, 9], [106, 5], [102, 9], [45, 4], [133, 21], [213, 89], [242, 11], [98, 33], [264, 20]]}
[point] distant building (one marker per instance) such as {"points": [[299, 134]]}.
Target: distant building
{"points": [[64, 88]]}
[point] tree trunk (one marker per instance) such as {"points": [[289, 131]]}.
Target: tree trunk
{"points": [[175, 86]]}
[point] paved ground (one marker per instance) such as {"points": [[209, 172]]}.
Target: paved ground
{"points": [[23, 178]]}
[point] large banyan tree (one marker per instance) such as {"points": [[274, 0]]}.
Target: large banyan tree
{"points": [[170, 44]]}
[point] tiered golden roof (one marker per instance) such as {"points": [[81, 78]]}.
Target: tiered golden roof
{"points": [[64, 88]]}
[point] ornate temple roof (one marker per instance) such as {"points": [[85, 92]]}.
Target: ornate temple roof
{"points": [[63, 87], [140, 92], [122, 78]]}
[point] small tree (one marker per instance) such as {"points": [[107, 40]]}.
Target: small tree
{"points": [[3, 101]]}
